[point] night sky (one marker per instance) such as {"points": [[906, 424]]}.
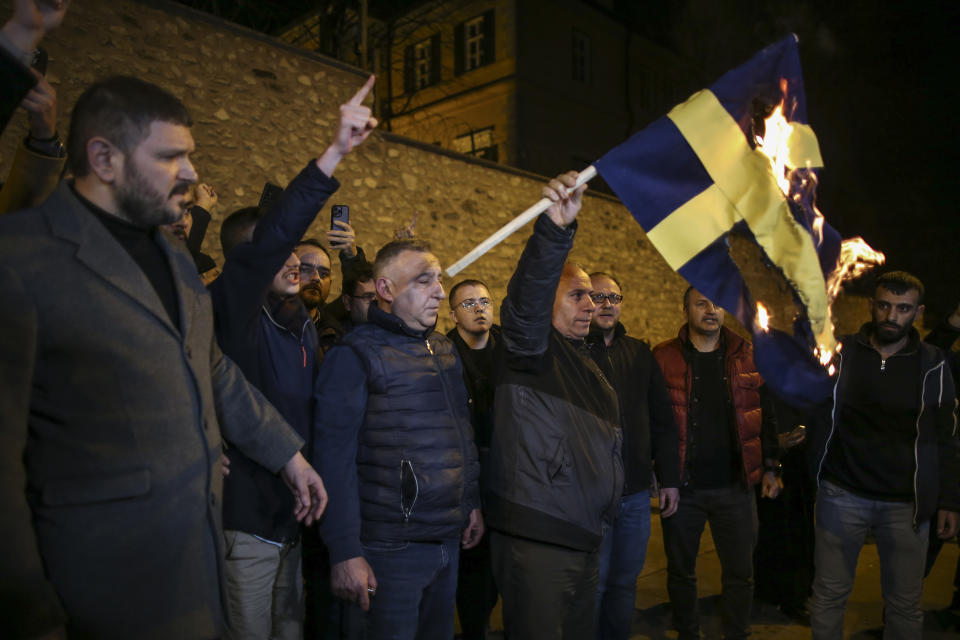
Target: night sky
{"points": [[881, 84]]}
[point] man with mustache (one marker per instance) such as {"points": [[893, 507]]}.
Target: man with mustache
{"points": [[316, 277], [555, 474], [394, 429], [263, 326], [727, 444], [887, 461], [111, 492], [649, 433]]}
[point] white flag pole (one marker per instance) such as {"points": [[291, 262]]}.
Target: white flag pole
{"points": [[542, 205]]}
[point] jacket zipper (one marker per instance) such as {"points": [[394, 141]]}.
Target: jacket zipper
{"points": [[916, 442], [303, 331], [833, 420]]}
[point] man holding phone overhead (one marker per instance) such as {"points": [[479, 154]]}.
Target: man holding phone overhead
{"points": [[316, 274], [264, 327]]}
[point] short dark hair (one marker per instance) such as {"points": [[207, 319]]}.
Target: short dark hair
{"points": [[394, 248], [465, 283], [686, 295], [237, 227], [120, 109], [353, 276], [313, 242], [604, 274], [900, 282]]}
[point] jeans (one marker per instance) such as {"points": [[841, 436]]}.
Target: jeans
{"points": [[548, 591], [263, 585], [732, 513], [622, 554], [843, 520], [416, 585]]}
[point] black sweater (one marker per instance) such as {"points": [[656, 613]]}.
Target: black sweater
{"points": [[646, 416]]}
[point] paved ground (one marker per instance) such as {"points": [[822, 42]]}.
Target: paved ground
{"points": [[864, 610]]}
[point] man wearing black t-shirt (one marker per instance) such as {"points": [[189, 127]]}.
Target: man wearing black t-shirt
{"points": [[476, 338], [716, 395], [887, 462]]}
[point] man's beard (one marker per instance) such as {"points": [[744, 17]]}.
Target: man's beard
{"points": [[891, 335], [141, 204], [312, 297]]}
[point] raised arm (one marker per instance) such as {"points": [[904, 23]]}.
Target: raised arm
{"points": [[250, 267], [527, 311], [19, 37]]}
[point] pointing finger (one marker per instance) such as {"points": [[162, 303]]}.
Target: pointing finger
{"points": [[364, 90]]}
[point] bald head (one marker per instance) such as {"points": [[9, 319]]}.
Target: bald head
{"points": [[572, 307]]}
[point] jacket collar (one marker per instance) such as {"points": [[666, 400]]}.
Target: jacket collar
{"points": [[866, 331], [730, 343], [392, 323], [71, 220], [595, 337], [492, 337], [287, 312]]}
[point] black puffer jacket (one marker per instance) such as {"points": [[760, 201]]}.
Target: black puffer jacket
{"points": [[394, 440], [556, 473]]}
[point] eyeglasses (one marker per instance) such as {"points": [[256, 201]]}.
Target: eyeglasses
{"points": [[475, 305], [612, 298], [307, 270]]}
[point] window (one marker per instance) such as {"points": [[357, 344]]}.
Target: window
{"points": [[421, 64], [473, 43], [478, 143], [581, 57]]}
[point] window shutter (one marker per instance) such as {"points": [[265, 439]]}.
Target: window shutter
{"points": [[435, 59], [408, 79], [459, 43], [489, 44]]}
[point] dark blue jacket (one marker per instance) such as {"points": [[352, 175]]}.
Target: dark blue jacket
{"points": [[393, 438], [274, 342]]}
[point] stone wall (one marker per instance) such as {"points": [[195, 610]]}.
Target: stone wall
{"points": [[262, 110]]}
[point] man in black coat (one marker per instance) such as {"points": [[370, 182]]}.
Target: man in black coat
{"points": [[118, 533], [555, 472], [476, 339], [649, 433]]}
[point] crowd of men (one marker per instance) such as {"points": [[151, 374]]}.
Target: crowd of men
{"points": [[166, 421]]}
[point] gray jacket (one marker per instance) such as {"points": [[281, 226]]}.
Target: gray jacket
{"points": [[111, 418]]}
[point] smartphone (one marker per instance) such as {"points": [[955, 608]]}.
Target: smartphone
{"points": [[40, 61], [269, 196], [341, 213]]}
